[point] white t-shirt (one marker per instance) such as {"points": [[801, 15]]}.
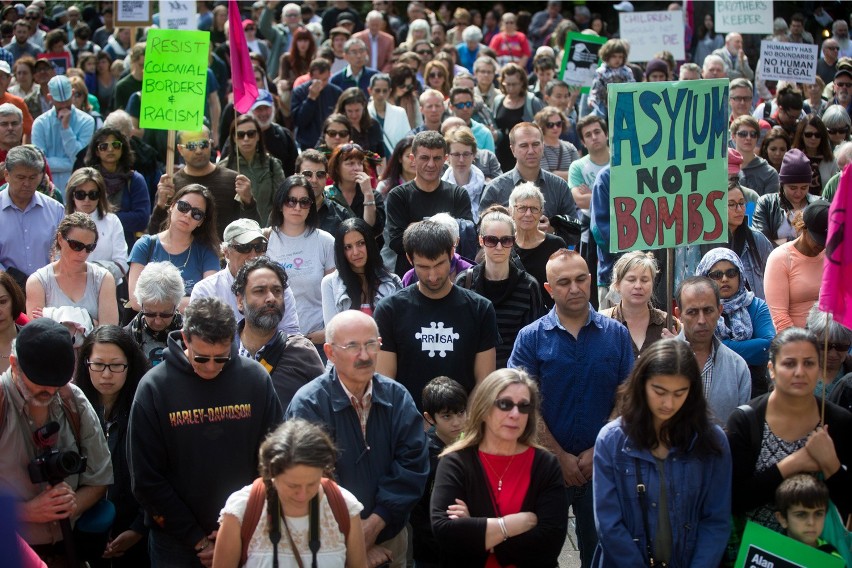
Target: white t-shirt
{"points": [[305, 258], [332, 552]]}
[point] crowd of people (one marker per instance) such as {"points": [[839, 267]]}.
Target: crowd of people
{"points": [[375, 320]]}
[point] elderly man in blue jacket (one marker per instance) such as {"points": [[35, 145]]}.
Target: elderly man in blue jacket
{"points": [[383, 458]]}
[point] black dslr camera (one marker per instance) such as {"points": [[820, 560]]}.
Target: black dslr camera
{"points": [[53, 466]]}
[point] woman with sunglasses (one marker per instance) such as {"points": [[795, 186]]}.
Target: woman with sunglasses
{"points": [[353, 187], [663, 439], [109, 368], [837, 124], [775, 144], [189, 240], [755, 172], [499, 498], [366, 132], [812, 138], [126, 191], [71, 280], [306, 252], [557, 154], [837, 338], [515, 294], [336, 131], [251, 159], [159, 291], [437, 77]]}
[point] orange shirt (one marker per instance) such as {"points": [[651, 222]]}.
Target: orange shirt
{"points": [[19, 102]]}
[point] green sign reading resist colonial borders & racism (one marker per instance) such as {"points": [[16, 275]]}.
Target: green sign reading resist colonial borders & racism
{"points": [[669, 157], [174, 83]]}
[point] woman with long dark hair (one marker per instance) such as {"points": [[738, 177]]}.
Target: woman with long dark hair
{"points": [[109, 368], [664, 440], [366, 132], [400, 168], [361, 280], [706, 40], [775, 144], [812, 138]]}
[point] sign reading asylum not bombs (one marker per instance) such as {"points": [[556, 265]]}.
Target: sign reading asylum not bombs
{"points": [[669, 156], [174, 83]]}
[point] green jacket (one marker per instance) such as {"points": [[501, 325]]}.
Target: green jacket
{"points": [[265, 176]]}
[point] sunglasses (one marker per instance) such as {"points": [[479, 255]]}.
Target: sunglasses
{"points": [[202, 359], [436, 75], [491, 241], [337, 133], [104, 146], [507, 404], [320, 174], [553, 124], [740, 99], [184, 207], [380, 91], [747, 134], [246, 134], [842, 85], [259, 248], [161, 315], [718, 274], [831, 131], [193, 146], [460, 106], [301, 202], [811, 134], [77, 246], [81, 195], [841, 347]]}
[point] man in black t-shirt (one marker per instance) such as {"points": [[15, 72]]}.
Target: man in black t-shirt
{"points": [[433, 327]]}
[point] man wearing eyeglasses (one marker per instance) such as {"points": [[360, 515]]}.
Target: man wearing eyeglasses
{"points": [[312, 102], [203, 409], [461, 105], [827, 64], [386, 462], [243, 241], [843, 84]]}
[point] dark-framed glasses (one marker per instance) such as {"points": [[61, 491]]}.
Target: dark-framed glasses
{"points": [[259, 248], [301, 202], [202, 359], [200, 145], [718, 274], [80, 195], [243, 134], [507, 404], [99, 367], [491, 241], [104, 146], [184, 207], [77, 246], [161, 315], [320, 174]]}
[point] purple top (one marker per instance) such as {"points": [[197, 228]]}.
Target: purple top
{"points": [[458, 264]]}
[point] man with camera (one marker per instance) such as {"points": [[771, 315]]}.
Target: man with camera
{"points": [[53, 455]]}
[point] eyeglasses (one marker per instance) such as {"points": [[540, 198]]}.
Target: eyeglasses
{"points": [[747, 134], [507, 404], [161, 315], [337, 133], [458, 155], [196, 213], [842, 85], [491, 241], [718, 274], [104, 146], [832, 131], [301, 202], [372, 346], [81, 195], [842, 347], [467, 104], [740, 99], [524, 209], [553, 124], [259, 248], [736, 205], [202, 359], [100, 367], [193, 146], [77, 246], [812, 134], [246, 134], [320, 174]]}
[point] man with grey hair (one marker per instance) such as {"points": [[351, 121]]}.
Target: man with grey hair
{"points": [[840, 32], [203, 409], [278, 35], [355, 74], [736, 61], [28, 219], [379, 44], [714, 67], [843, 156], [689, 72], [7, 97], [11, 128]]}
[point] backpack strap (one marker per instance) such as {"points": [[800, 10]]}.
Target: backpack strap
{"points": [[254, 506], [338, 505]]}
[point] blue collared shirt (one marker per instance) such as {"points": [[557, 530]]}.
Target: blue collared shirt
{"points": [[27, 236], [577, 377]]}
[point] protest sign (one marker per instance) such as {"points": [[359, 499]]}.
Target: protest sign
{"points": [[783, 61], [744, 16], [178, 15], [651, 32], [762, 547], [669, 164], [578, 68], [132, 13], [174, 84]]}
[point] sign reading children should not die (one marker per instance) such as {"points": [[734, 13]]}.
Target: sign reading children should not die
{"points": [[652, 32], [669, 164], [783, 61], [743, 16], [174, 85]]}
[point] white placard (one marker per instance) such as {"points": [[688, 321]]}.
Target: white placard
{"points": [[651, 32], [782, 61], [744, 16], [178, 15], [132, 13]]}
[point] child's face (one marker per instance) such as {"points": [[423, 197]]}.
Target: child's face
{"points": [[615, 60], [448, 425], [803, 523]]}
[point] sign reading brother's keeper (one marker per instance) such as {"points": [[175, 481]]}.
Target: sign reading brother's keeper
{"points": [[782, 61]]}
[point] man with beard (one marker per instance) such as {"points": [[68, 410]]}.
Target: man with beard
{"points": [[291, 360]]}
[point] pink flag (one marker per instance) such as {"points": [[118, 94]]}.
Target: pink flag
{"points": [[836, 297], [242, 75]]}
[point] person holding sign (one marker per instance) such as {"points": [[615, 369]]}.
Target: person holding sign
{"points": [[663, 439]]}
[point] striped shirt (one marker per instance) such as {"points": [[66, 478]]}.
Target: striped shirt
{"points": [[559, 158]]}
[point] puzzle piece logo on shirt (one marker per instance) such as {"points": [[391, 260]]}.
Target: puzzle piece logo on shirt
{"points": [[436, 338]]}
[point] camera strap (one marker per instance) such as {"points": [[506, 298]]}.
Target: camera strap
{"points": [[69, 408]]}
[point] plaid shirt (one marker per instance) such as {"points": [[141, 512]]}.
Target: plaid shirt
{"points": [[707, 371]]}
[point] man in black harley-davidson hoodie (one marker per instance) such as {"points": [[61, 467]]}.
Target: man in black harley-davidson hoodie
{"points": [[195, 428]]}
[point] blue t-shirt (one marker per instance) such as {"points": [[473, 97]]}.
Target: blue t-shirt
{"points": [[192, 263]]}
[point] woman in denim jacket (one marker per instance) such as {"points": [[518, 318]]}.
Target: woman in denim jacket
{"points": [[664, 440]]}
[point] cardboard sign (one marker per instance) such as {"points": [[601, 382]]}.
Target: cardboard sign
{"points": [[61, 61], [132, 13], [178, 15], [783, 61], [764, 548], [651, 32], [174, 84], [744, 16], [578, 68], [669, 164]]}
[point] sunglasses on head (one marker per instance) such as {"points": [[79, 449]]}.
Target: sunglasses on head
{"points": [[350, 146], [507, 404], [200, 145], [104, 146], [184, 207], [246, 134], [301, 202], [80, 195], [466, 104], [491, 241], [337, 133], [77, 246], [718, 274], [259, 248], [202, 359], [320, 174]]}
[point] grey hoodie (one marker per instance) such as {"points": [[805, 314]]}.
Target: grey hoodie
{"points": [[760, 176]]}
